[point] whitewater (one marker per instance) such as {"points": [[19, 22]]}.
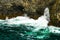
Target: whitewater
{"points": [[39, 28]]}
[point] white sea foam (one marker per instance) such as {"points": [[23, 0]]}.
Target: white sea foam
{"points": [[41, 22]]}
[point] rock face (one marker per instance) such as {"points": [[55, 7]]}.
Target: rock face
{"points": [[33, 8], [55, 13]]}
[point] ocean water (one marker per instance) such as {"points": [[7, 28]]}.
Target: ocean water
{"points": [[25, 28]]}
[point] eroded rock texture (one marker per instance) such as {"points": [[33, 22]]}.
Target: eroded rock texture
{"points": [[33, 8]]}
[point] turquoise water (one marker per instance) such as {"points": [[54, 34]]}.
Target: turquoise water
{"points": [[23, 32], [26, 31]]}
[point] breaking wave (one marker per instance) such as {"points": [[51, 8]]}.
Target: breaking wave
{"points": [[25, 28]]}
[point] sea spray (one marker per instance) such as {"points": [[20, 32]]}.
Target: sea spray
{"points": [[25, 28]]}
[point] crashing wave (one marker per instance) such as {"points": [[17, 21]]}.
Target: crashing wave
{"points": [[25, 28]]}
